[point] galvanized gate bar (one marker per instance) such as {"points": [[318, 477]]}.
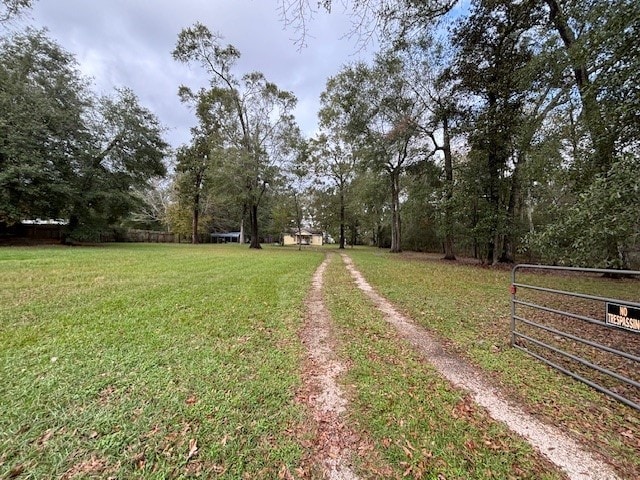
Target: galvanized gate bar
{"points": [[560, 312], [614, 351], [575, 356], [576, 295], [607, 271], [581, 360]]}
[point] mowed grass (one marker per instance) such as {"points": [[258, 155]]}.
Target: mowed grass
{"points": [[150, 361], [421, 426], [469, 307]]}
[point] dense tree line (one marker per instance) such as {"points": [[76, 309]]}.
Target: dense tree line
{"points": [[505, 130], [498, 129], [502, 130]]}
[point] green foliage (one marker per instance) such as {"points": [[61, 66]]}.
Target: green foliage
{"points": [[376, 112], [12, 8], [423, 209], [601, 227], [42, 130], [251, 117], [541, 105], [64, 153]]}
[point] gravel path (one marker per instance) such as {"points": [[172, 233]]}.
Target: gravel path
{"points": [[550, 441], [334, 442]]}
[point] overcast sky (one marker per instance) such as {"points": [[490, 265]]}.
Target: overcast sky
{"points": [[128, 43]]}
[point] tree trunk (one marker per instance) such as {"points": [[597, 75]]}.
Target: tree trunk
{"points": [[602, 139], [342, 215], [74, 222], [354, 234], [494, 209], [241, 236], [494, 161], [449, 253], [509, 244], [253, 218], [195, 219], [298, 220], [395, 212]]}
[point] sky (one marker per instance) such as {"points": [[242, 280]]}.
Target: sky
{"points": [[128, 43]]}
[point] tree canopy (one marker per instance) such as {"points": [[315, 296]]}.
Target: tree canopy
{"points": [[65, 153], [527, 111], [250, 118]]}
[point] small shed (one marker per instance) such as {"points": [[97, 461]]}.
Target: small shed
{"points": [[225, 237]]}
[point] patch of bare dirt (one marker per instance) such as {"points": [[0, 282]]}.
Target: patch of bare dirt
{"points": [[551, 442], [331, 442]]}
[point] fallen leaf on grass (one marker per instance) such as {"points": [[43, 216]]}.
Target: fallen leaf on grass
{"points": [[627, 433], [407, 452], [16, 471], [46, 437], [285, 474], [90, 467], [193, 448]]}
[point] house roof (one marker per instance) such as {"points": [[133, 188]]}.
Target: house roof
{"points": [[304, 231], [225, 234]]}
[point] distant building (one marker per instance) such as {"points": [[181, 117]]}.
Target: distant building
{"points": [[226, 237], [303, 237]]}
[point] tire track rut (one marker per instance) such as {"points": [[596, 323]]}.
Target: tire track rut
{"points": [[551, 442], [334, 442]]}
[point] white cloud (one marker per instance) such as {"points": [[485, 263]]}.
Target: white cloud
{"points": [[129, 43]]}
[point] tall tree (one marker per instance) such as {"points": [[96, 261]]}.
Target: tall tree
{"points": [[43, 101], [64, 153], [153, 206], [255, 115], [492, 57], [124, 151], [333, 160], [192, 164], [383, 117], [11, 8], [427, 63]]}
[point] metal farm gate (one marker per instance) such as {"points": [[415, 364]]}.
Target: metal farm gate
{"points": [[589, 335]]}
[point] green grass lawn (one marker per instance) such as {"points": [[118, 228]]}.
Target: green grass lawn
{"points": [[175, 361], [122, 360], [421, 426], [469, 306]]}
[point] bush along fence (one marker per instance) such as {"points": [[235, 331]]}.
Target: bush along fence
{"points": [[54, 232]]}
